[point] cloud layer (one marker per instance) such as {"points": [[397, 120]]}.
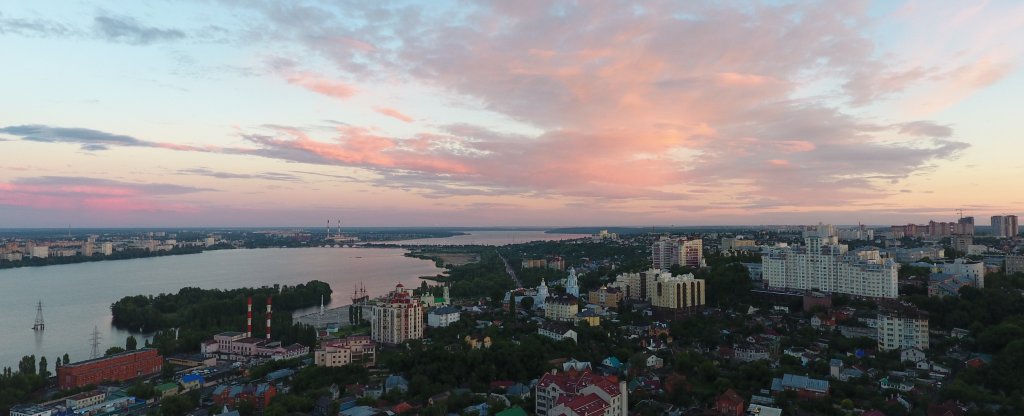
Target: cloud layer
{"points": [[641, 108]]}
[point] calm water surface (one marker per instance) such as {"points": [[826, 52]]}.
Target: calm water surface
{"points": [[77, 297], [492, 238]]}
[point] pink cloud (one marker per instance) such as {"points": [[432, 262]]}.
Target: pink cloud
{"points": [[92, 194], [795, 146], [393, 113], [321, 85]]}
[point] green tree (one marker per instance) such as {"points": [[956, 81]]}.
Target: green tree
{"points": [[142, 391], [167, 372], [131, 344], [27, 365], [246, 408], [113, 350], [67, 359], [42, 367], [176, 405]]}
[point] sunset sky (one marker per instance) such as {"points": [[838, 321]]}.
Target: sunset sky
{"points": [[466, 113]]}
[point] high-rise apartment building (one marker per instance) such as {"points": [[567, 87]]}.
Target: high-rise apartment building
{"points": [[668, 252], [824, 265], [1005, 226], [398, 319], [677, 296], [900, 326], [638, 286]]}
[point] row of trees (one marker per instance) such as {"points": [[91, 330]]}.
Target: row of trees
{"points": [[18, 386]]}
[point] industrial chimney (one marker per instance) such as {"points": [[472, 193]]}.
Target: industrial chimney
{"points": [[248, 331], [268, 317]]}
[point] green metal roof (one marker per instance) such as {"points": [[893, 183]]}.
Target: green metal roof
{"points": [[512, 411]]}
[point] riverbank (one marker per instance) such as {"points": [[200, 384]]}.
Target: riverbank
{"points": [[120, 255], [76, 297]]}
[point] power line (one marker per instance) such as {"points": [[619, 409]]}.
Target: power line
{"points": [[95, 339]]}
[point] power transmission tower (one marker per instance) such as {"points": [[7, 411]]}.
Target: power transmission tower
{"points": [[95, 339], [39, 325]]}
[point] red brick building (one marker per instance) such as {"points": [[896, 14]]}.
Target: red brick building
{"points": [[117, 367], [257, 394], [729, 404]]}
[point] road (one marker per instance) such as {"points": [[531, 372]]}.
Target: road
{"points": [[510, 271]]}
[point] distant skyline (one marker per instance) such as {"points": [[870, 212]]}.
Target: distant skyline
{"points": [[531, 113]]}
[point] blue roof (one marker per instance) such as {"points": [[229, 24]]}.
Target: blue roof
{"points": [[804, 383], [189, 378], [852, 372], [395, 380], [518, 388], [279, 374], [447, 310], [613, 362]]}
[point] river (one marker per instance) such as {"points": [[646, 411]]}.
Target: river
{"points": [[77, 297]]}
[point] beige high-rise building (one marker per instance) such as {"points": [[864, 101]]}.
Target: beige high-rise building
{"points": [[638, 286], [360, 350], [561, 308], [901, 326], [677, 296], [398, 319], [87, 249]]}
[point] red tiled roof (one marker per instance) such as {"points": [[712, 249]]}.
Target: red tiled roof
{"points": [[573, 381], [588, 405]]}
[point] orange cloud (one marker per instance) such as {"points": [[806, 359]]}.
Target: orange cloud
{"points": [[322, 85]]}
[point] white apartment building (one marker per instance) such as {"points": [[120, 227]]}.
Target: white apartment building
{"points": [[398, 319], [442, 317], [902, 326], [582, 393], [963, 267], [825, 265]]}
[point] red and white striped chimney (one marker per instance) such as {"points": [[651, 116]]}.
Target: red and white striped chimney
{"points": [[249, 317], [268, 317]]}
